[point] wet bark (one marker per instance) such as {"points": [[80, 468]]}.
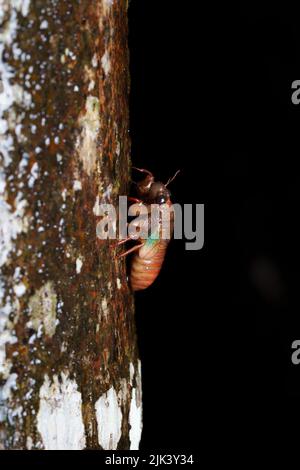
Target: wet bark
{"points": [[69, 369]]}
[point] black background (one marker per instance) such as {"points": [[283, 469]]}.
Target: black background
{"points": [[211, 95]]}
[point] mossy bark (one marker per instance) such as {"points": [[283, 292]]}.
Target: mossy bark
{"points": [[67, 313]]}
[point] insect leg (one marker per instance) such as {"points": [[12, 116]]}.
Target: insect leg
{"points": [[142, 170], [131, 250], [121, 242], [134, 199]]}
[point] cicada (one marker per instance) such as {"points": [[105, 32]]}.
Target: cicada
{"points": [[149, 253]]}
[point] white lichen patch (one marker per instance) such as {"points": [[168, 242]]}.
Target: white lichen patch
{"points": [[64, 194], [119, 285], [20, 289], [104, 307], [34, 174], [59, 158], [131, 372], [59, 420], [123, 392], [11, 94], [13, 215], [42, 309], [109, 420], [10, 384], [92, 85], [107, 4], [6, 337], [97, 207], [79, 264], [77, 186], [29, 443], [95, 61], [86, 144], [44, 24], [13, 222], [135, 421], [136, 410], [105, 62], [104, 198], [5, 396], [21, 5], [7, 334], [107, 193], [10, 8]]}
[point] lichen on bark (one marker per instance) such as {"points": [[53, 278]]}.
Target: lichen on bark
{"points": [[66, 313]]}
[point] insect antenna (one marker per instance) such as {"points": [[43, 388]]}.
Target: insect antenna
{"points": [[172, 179]]}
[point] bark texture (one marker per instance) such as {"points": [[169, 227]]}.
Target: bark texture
{"points": [[69, 369]]}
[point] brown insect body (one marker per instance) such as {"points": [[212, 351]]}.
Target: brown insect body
{"points": [[147, 263], [150, 253]]}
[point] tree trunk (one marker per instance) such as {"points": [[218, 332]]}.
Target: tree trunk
{"points": [[69, 369]]}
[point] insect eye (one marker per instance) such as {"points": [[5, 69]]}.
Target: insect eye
{"points": [[161, 199]]}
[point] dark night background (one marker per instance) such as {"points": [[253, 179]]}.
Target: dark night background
{"points": [[211, 95]]}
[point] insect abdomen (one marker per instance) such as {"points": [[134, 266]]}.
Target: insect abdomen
{"points": [[147, 263]]}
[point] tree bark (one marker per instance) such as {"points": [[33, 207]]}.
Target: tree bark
{"points": [[69, 368]]}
